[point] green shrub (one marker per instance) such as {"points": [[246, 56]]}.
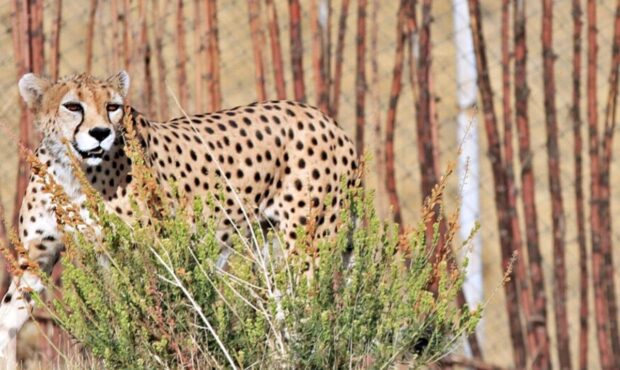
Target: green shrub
{"points": [[359, 300], [161, 301]]}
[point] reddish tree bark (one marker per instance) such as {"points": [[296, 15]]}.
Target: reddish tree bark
{"points": [[182, 87], [200, 71], [599, 282], [524, 299], [55, 48], [276, 50], [213, 60], [147, 96], [425, 119], [36, 36], [605, 193], [337, 80], [5, 279], [379, 148], [579, 194], [162, 96], [499, 182], [90, 34], [299, 89], [258, 42], [28, 53], [555, 190], [116, 39], [127, 46], [318, 58], [360, 77], [540, 354], [397, 73]]}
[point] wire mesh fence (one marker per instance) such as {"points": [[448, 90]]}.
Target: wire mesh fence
{"points": [[159, 42]]}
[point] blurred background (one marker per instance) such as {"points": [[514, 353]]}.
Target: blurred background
{"points": [[534, 164]]}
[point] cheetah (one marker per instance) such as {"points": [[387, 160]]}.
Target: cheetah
{"points": [[282, 160]]}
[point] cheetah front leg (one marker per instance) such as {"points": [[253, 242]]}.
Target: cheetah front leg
{"points": [[41, 239]]}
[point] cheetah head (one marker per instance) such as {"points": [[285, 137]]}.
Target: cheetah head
{"points": [[83, 110]]}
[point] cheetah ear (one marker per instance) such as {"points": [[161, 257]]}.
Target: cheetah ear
{"points": [[121, 82], [32, 88]]}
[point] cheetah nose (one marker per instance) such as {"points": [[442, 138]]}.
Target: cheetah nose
{"points": [[99, 133]]}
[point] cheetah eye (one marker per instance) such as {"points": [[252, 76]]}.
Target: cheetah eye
{"points": [[73, 107], [112, 107]]}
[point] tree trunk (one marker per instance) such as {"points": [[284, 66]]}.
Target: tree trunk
{"points": [[258, 42], [90, 33], [182, 88], [276, 50], [469, 158], [55, 47], [605, 193], [555, 190], [538, 319], [162, 89], [390, 122], [579, 194], [360, 77], [337, 80], [499, 183], [296, 50], [599, 277], [213, 59]]}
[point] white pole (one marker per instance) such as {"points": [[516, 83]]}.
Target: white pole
{"points": [[469, 161]]}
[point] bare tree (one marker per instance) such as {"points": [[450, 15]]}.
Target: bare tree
{"points": [[181, 56], [606, 142], [539, 349], [213, 59], [258, 41], [299, 89], [555, 190], [599, 277], [162, 97], [55, 48], [360, 77], [499, 183], [579, 194], [337, 80], [90, 33], [276, 50], [390, 122]]}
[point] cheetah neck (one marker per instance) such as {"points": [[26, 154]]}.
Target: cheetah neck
{"points": [[60, 167]]}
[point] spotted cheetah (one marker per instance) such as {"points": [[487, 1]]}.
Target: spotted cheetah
{"points": [[284, 161]]}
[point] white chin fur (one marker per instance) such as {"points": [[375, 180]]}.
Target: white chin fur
{"points": [[93, 161]]}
